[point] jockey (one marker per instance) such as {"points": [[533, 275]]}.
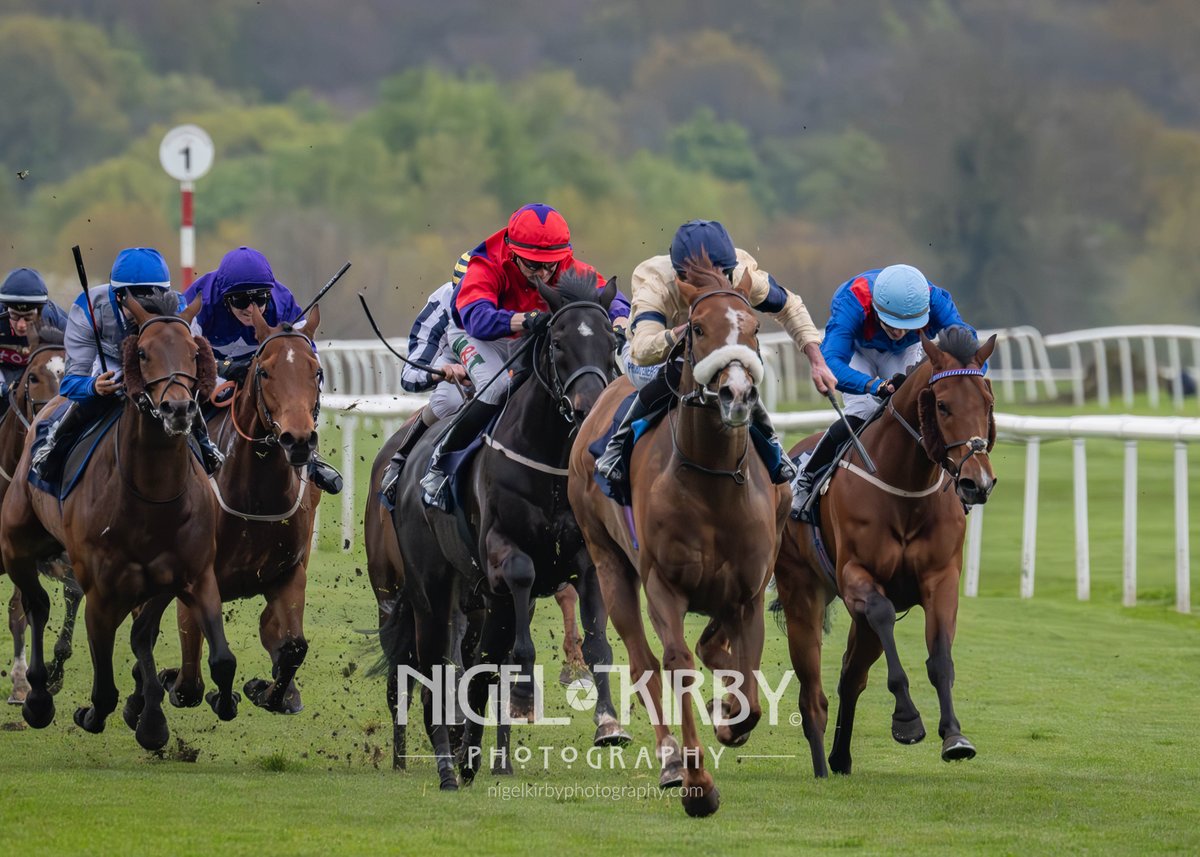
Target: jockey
{"points": [[244, 277], [871, 340], [24, 303], [429, 344], [660, 319], [496, 302], [139, 273]]}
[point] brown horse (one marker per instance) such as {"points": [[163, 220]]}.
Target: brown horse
{"points": [[268, 508], [139, 528], [706, 525], [894, 540], [37, 385]]}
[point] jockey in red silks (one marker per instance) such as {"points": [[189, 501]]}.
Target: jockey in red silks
{"points": [[497, 303]]}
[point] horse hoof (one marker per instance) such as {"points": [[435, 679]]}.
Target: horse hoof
{"points": [[86, 719], [706, 804], [671, 776], [54, 677], [38, 710], [505, 770], [181, 696], [572, 673], [728, 738], [520, 709], [839, 765], [449, 783], [262, 693], [152, 732], [908, 732], [224, 710], [956, 748], [133, 710], [610, 734]]}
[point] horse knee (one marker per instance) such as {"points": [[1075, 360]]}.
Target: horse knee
{"points": [[519, 571], [880, 610], [677, 659]]}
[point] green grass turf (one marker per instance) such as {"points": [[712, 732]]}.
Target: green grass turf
{"points": [[1084, 716]]}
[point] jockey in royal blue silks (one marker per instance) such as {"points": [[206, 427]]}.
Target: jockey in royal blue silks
{"points": [[24, 305], [139, 273], [244, 279], [873, 336]]}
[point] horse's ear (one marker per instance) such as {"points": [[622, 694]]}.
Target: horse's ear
{"points": [[609, 293], [687, 291], [553, 299], [311, 322], [745, 285], [190, 311], [139, 312], [261, 329], [985, 350], [931, 350], [33, 338]]}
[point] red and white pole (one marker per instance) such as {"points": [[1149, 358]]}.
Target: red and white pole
{"points": [[187, 235]]}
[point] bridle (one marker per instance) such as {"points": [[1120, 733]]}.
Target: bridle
{"points": [[974, 445], [556, 388], [271, 438], [144, 401], [17, 405]]}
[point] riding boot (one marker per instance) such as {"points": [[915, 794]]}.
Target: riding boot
{"points": [[475, 415], [391, 473], [610, 464], [211, 457], [822, 455], [324, 475], [784, 471], [49, 459]]}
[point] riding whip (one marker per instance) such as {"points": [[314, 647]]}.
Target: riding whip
{"points": [[862, 451], [324, 289], [424, 367], [83, 283]]}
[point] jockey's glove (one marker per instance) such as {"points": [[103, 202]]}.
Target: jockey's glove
{"points": [[535, 322]]}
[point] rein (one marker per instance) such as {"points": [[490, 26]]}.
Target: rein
{"points": [[145, 401], [35, 405], [555, 387]]}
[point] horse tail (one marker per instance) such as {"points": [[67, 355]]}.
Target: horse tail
{"points": [[827, 622], [395, 637], [776, 607]]}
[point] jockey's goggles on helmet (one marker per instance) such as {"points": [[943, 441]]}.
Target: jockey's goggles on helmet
{"points": [[535, 266], [23, 309], [141, 291], [242, 300]]}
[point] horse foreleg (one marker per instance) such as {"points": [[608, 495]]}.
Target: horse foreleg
{"points": [[432, 650], [575, 666], [185, 685], [667, 608], [102, 619], [38, 709], [63, 648], [150, 724], [205, 599], [20, 666], [597, 652], [941, 612], [281, 630], [804, 607], [495, 642], [734, 645], [862, 650], [512, 566]]}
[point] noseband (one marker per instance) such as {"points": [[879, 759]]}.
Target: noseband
{"points": [[702, 395], [35, 405], [556, 388], [271, 438], [144, 401]]}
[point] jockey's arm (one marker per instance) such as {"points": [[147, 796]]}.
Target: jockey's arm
{"points": [[768, 296], [651, 313], [842, 335], [78, 383]]}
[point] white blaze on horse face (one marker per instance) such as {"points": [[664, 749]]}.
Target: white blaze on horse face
{"points": [[731, 351], [291, 355], [584, 330], [56, 366]]}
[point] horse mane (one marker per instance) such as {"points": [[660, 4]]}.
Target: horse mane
{"points": [[703, 274], [960, 342], [578, 286], [49, 336]]}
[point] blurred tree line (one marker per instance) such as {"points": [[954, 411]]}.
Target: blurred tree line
{"points": [[1040, 160]]}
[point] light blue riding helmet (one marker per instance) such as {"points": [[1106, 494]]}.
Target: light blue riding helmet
{"points": [[901, 297], [139, 267]]}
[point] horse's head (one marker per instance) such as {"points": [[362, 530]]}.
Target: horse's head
{"points": [[721, 341], [44, 373], [286, 381], [958, 429], [166, 369], [576, 353]]}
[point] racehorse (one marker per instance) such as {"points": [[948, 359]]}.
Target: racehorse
{"points": [[385, 570], [894, 540], [704, 528], [138, 526], [521, 539], [268, 509], [37, 385]]}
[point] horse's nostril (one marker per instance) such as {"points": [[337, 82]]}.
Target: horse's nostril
{"points": [[287, 440]]}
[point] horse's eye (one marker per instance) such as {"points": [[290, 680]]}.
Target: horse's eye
{"points": [[941, 406], [141, 354], [262, 373], [697, 330]]}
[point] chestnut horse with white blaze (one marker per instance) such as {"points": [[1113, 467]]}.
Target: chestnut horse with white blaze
{"points": [[706, 525], [894, 540]]}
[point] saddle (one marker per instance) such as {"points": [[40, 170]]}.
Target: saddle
{"points": [[70, 456]]}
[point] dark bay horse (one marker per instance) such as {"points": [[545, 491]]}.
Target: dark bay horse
{"points": [[706, 524], [894, 540], [37, 385], [267, 510], [139, 528], [385, 569], [523, 541]]}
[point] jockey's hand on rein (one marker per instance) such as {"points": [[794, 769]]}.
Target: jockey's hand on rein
{"points": [[535, 321]]}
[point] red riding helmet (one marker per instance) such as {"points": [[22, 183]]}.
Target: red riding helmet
{"points": [[539, 233]]}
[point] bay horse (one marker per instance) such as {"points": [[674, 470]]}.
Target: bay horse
{"points": [[704, 528], [138, 526], [894, 540], [385, 570], [37, 385], [268, 432], [519, 539]]}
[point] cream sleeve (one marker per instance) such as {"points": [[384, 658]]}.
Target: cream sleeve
{"points": [[649, 316], [793, 316]]}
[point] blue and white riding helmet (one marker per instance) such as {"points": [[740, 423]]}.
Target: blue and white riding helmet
{"points": [[901, 297], [140, 269], [24, 289]]}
